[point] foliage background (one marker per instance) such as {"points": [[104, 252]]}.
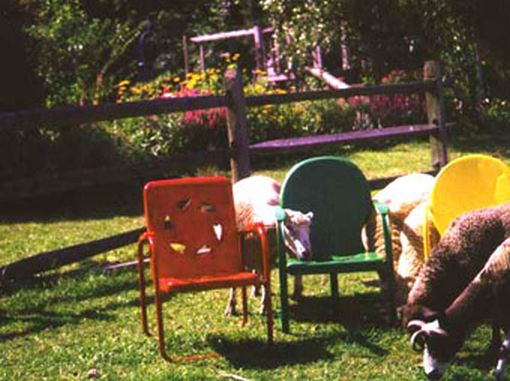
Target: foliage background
{"points": [[79, 52]]}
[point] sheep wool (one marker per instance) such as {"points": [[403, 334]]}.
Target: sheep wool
{"points": [[255, 198], [411, 258], [457, 258], [401, 196]]}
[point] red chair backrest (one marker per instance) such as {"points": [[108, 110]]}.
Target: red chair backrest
{"points": [[192, 224]]}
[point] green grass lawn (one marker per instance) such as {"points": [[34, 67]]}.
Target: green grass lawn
{"points": [[61, 325]]}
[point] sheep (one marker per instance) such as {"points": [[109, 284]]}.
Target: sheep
{"points": [[255, 200], [402, 196], [411, 258], [485, 298], [404, 193], [455, 260]]}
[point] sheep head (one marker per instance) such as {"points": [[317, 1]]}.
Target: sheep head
{"points": [[438, 346], [296, 233]]}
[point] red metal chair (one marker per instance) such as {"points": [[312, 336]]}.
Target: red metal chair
{"points": [[195, 245]]}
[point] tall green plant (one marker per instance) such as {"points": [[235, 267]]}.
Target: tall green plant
{"points": [[79, 57]]}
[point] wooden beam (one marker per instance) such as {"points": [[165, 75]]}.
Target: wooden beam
{"points": [[226, 35], [222, 36], [202, 58], [436, 115], [56, 258], [332, 81], [109, 111], [258, 40], [310, 142], [398, 88], [185, 52], [237, 126]]}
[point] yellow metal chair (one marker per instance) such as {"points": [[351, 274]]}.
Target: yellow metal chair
{"points": [[467, 183]]}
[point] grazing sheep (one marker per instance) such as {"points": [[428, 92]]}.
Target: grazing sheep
{"points": [[402, 196], [459, 255], [484, 299], [255, 200], [457, 258]]}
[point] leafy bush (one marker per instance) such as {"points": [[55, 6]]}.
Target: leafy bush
{"points": [[496, 114], [206, 129]]}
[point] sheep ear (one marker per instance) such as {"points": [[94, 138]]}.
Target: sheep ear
{"points": [[434, 329], [414, 326]]}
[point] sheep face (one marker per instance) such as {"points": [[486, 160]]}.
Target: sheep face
{"points": [[296, 233], [438, 346]]}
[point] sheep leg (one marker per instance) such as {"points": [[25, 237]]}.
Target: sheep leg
{"points": [[298, 287], [263, 301], [504, 356], [230, 310]]}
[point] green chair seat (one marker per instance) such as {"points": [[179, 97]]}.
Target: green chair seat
{"points": [[337, 193], [366, 261]]}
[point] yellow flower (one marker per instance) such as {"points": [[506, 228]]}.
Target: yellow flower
{"points": [[235, 57], [123, 83], [177, 79]]}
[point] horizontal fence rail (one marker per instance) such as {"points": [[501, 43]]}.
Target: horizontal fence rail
{"points": [[109, 111], [112, 111], [399, 88]]}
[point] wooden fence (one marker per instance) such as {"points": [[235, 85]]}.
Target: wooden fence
{"points": [[239, 148]]}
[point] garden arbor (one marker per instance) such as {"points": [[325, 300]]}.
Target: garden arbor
{"points": [[270, 62]]}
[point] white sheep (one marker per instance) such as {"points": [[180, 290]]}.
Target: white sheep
{"points": [[255, 200], [402, 196], [411, 257]]}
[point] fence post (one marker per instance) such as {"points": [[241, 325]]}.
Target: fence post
{"points": [[237, 126], [436, 114]]}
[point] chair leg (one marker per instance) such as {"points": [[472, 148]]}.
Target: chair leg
{"points": [[334, 284], [245, 307], [284, 301], [159, 319], [141, 286], [269, 310]]}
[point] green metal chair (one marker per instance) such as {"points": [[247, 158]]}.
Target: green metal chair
{"points": [[338, 194]]}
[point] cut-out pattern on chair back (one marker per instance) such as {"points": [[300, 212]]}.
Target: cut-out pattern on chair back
{"points": [[336, 191], [193, 226]]}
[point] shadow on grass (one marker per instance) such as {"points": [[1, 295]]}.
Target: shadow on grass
{"points": [[40, 311], [496, 144], [38, 282], [42, 320], [358, 310], [258, 354]]}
